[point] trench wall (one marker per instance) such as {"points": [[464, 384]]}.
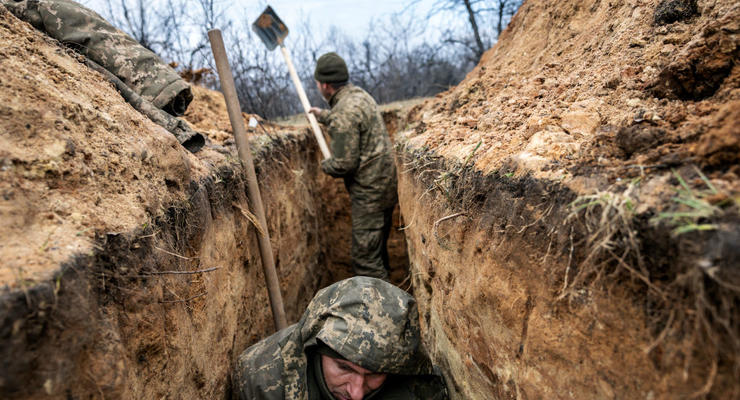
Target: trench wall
{"points": [[489, 255], [115, 323]]}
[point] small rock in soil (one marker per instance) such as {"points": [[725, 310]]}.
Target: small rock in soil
{"points": [[638, 137], [670, 11]]}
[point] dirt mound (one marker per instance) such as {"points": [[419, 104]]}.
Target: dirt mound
{"points": [[563, 82], [74, 157], [131, 266], [207, 114], [584, 178]]}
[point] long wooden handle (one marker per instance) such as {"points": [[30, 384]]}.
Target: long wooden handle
{"points": [[242, 144], [306, 105]]}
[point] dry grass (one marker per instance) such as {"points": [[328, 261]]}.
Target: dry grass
{"points": [[694, 302]]}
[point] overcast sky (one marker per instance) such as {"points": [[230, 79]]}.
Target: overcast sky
{"points": [[351, 16]]}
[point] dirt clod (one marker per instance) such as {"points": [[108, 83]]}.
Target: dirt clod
{"points": [[670, 11], [638, 137]]}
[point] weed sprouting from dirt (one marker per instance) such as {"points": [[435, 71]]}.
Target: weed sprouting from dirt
{"points": [[695, 206], [608, 218]]}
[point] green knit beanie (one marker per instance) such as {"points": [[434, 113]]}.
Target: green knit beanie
{"points": [[330, 68]]}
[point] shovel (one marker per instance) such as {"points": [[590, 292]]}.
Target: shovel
{"points": [[273, 31]]}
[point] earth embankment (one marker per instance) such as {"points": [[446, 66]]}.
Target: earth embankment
{"points": [[130, 266], [571, 207]]}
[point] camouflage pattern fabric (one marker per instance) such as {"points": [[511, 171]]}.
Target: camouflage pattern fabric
{"points": [[86, 31], [361, 150], [362, 155], [188, 138], [369, 250], [368, 321]]}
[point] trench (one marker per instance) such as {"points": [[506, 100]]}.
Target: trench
{"points": [[485, 256], [165, 309], [492, 260]]}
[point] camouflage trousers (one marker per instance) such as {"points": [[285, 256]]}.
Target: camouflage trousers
{"points": [[370, 233]]}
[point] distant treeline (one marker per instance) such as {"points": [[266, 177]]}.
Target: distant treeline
{"points": [[400, 58]]}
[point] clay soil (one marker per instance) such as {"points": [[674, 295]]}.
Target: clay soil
{"points": [[569, 218], [131, 267], [583, 242]]}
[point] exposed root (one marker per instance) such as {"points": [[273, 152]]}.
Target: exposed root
{"points": [[563, 291], [608, 219], [174, 254], [709, 383], [694, 304], [662, 334], [439, 221], [251, 218], [199, 271]]}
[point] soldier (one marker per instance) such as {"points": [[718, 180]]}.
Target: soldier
{"points": [[358, 338], [361, 154]]}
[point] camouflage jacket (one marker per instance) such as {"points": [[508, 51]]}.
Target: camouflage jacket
{"points": [[86, 31], [366, 320], [361, 150]]}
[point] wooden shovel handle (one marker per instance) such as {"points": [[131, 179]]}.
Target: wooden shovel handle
{"points": [[306, 105], [242, 144]]}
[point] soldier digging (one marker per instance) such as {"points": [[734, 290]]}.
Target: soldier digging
{"points": [[361, 154]]}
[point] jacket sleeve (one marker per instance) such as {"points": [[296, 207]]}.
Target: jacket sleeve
{"points": [[344, 131], [86, 31]]}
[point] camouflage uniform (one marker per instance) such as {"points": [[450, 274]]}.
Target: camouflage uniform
{"points": [[86, 31], [367, 321], [361, 154]]}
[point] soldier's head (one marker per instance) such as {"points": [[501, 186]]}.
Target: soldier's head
{"points": [[360, 331], [346, 380], [330, 74]]}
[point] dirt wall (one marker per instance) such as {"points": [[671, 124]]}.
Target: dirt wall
{"points": [[497, 311], [580, 196], [131, 267]]}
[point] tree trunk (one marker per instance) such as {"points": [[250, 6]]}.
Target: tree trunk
{"points": [[474, 25]]}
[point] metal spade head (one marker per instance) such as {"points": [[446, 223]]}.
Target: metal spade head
{"points": [[270, 28]]}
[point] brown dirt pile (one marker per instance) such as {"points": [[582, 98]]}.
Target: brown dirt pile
{"points": [[207, 114], [595, 86], [131, 266], [74, 157], [580, 196]]}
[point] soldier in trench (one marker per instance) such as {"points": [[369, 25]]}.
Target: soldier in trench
{"points": [[358, 339], [361, 155]]}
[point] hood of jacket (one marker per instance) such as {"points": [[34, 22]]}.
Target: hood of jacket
{"points": [[367, 320]]}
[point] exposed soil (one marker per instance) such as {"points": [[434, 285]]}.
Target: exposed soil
{"points": [[571, 212], [580, 191], [132, 268]]}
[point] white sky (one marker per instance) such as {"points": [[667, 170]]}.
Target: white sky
{"points": [[351, 16]]}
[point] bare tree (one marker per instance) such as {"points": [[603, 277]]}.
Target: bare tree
{"points": [[396, 59], [474, 11], [141, 20], [504, 10]]}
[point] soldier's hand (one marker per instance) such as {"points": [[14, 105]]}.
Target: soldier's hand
{"points": [[315, 111]]}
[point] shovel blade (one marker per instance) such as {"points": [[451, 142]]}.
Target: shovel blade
{"points": [[270, 28]]}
